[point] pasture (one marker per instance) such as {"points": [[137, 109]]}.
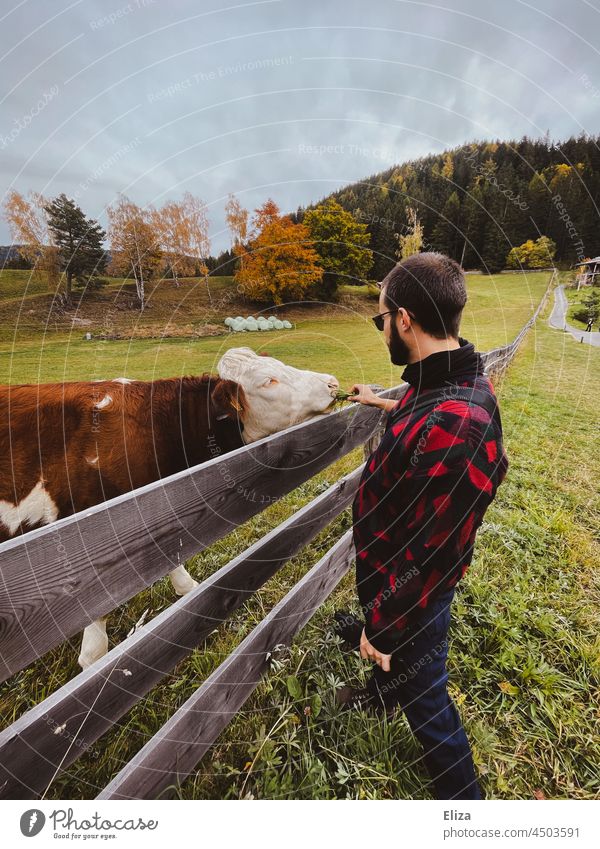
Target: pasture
{"points": [[525, 656], [39, 344]]}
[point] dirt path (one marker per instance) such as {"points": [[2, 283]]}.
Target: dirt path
{"points": [[558, 320]]}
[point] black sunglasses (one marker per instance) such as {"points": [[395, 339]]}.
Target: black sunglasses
{"points": [[378, 319]]}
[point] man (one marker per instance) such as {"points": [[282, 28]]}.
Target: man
{"points": [[421, 499]]}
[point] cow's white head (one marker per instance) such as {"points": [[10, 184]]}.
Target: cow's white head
{"points": [[277, 395]]}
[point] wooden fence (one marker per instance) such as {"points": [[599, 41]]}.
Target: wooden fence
{"points": [[58, 579]]}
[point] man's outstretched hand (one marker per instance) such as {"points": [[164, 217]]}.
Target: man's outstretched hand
{"points": [[369, 652], [363, 394]]}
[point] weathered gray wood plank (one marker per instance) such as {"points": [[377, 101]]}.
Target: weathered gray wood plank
{"points": [[31, 753], [56, 580], [176, 749]]}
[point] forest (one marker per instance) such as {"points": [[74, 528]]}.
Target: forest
{"points": [[478, 201]]}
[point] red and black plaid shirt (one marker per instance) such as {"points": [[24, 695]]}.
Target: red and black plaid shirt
{"points": [[423, 495]]}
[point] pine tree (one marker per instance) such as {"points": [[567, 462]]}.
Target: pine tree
{"points": [[495, 248], [447, 234], [79, 241], [473, 219]]}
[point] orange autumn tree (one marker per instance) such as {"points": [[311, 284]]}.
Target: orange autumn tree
{"points": [[279, 263]]}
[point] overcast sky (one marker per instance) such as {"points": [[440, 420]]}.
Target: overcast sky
{"points": [[283, 98]]}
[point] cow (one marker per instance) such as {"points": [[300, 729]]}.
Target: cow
{"points": [[65, 447]]}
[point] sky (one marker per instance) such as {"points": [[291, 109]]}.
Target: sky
{"points": [[288, 99]]}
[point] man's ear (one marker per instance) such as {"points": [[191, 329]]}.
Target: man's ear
{"points": [[405, 320], [228, 400]]}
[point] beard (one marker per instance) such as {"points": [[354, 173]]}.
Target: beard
{"points": [[399, 351]]}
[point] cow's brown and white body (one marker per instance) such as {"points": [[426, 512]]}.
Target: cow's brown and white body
{"points": [[67, 446]]}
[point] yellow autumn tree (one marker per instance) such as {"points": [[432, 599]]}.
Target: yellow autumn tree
{"points": [[134, 244], [279, 263], [448, 167], [237, 221], [182, 231], [28, 225], [411, 241]]}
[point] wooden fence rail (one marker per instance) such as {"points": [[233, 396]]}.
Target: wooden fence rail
{"points": [[58, 579]]}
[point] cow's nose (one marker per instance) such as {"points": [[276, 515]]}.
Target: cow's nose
{"points": [[333, 383]]}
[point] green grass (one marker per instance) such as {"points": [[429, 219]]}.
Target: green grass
{"points": [[16, 284], [525, 651], [340, 337]]}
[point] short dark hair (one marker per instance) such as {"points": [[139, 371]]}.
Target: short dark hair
{"points": [[431, 286]]}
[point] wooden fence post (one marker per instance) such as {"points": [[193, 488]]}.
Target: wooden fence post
{"points": [[375, 438]]}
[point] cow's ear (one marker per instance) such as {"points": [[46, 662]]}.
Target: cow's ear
{"points": [[228, 399]]}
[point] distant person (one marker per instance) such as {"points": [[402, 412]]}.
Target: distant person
{"points": [[421, 499], [589, 325]]}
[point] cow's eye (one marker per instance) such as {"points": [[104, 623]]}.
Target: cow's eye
{"points": [[270, 381]]}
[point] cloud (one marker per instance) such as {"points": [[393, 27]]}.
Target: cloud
{"points": [[283, 99]]}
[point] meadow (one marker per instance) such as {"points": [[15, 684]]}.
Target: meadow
{"points": [[40, 344], [525, 651]]}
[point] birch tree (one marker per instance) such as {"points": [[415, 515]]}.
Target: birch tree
{"points": [[182, 230], [28, 226], [237, 221], [135, 245]]}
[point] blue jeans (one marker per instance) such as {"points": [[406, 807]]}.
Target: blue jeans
{"points": [[418, 682]]}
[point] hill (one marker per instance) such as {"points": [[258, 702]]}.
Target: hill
{"points": [[479, 200]]}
